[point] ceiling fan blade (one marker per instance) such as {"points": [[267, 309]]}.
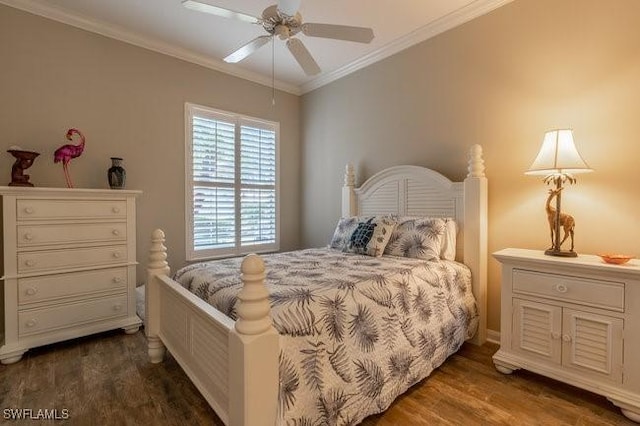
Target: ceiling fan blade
{"points": [[302, 55], [204, 6], [338, 32], [247, 49], [288, 7]]}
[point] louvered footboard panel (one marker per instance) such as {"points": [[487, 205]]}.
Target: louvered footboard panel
{"points": [[198, 338]]}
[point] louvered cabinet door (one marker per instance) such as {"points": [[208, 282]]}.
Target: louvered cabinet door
{"points": [[537, 329], [593, 344]]}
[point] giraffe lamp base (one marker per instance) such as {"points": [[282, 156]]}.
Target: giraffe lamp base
{"points": [[560, 253]]}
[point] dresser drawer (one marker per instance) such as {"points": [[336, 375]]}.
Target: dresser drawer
{"points": [[52, 287], [35, 321], [28, 209], [36, 235], [72, 258], [598, 293]]}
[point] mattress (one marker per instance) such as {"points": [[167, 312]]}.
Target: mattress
{"points": [[355, 331]]}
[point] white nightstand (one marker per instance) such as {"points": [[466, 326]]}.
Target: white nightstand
{"points": [[576, 320]]}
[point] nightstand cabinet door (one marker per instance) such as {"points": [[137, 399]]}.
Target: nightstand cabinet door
{"points": [[537, 330], [592, 344]]}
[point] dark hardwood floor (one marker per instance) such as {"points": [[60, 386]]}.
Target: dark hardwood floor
{"points": [[106, 380]]}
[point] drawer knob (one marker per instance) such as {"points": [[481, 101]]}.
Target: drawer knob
{"points": [[561, 288], [31, 323], [28, 236], [115, 209], [117, 280], [30, 262], [116, 254], [117, 307], [566, 338], [31, 291], [115, 232], [28, 210]]}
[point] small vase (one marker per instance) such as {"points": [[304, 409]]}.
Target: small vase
{"points": [[116, 173]]}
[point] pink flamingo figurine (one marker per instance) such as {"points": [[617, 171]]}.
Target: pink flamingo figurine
{"points": [[66, 152]]}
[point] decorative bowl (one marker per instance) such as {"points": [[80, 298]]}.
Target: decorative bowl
{"points": [[616, 259]]}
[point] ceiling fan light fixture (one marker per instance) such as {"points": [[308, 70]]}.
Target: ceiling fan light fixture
{"points": [[282, 31]]}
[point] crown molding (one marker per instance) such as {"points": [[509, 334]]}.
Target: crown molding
{"points": [[130, 37], [432, 29], [438, 26]]}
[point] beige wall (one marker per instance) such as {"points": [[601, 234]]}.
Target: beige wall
{"points": [[501, 80], [129, 102]]}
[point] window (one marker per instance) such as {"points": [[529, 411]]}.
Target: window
{"points": [[232, 184]]}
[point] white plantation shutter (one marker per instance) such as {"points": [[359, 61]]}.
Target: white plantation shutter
{"points": [[231, 184], [258, 183]]}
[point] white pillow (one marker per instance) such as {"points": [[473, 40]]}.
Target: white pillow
{"points": [[448, 243]]}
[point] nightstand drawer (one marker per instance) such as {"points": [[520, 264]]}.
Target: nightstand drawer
{"points": [[53, 287], [598, 293], [73, 314], [37, 235], [70, 209], [72, 258]]}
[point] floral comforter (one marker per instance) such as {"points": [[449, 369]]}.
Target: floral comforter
{"points": [[356, 331]]}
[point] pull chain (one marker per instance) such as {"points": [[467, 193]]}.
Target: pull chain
{"points": [[273, 71]]}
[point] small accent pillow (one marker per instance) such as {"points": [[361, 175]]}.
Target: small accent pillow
{"points": [[363, 235], [344, 229], [419, 238]]}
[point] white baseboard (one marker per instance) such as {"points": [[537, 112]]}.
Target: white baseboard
{"points": [[493, 336]]}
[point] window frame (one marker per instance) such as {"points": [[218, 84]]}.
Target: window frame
{"points": [[194, 110]]}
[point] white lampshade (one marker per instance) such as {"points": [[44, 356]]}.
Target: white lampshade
{"points": [[558, 155]]}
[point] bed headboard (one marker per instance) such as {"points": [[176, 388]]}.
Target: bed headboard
{"points": [[418, 191]]}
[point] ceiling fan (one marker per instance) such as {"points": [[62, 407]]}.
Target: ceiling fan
{"points": [[284, 20]]}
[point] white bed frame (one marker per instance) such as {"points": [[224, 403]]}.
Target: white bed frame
{"points": [[235, 364]]}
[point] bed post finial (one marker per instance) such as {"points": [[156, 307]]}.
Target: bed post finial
{"points": [[348, 192], [349, 175], [476, 162], [253, 352], [158, 253], [253, 306], [157, 266]]}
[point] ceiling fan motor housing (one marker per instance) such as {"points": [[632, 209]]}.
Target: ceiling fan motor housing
{"points": [[280, 24]]}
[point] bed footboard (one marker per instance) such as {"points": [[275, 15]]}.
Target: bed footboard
{"points": [[233, 364]]}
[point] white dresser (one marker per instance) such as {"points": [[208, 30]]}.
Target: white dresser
{"points": [[69, 265], [576, 320]]}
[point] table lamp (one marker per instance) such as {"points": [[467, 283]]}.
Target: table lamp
{"points": [[558, 160]]}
